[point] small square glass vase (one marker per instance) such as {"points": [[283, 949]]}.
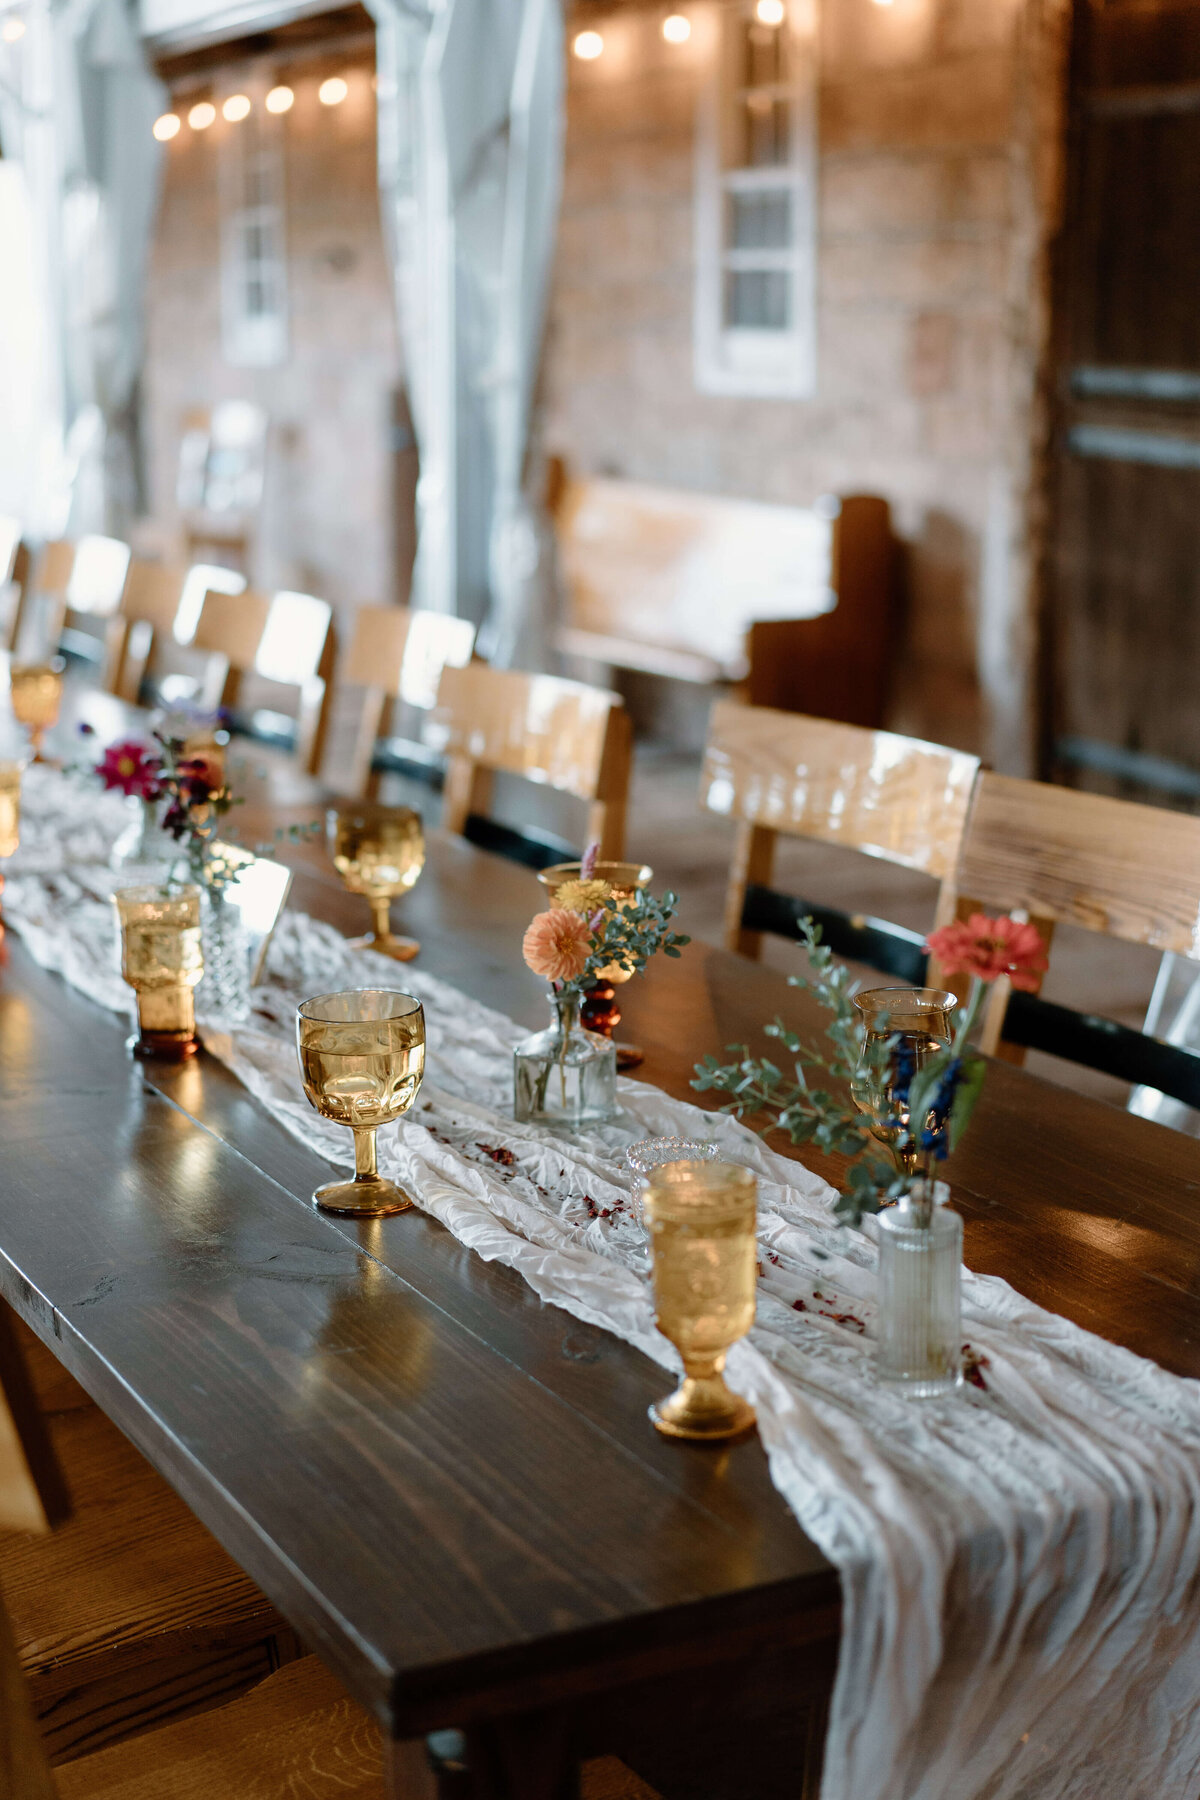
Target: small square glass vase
{"points": [[919, 1348], [565, 1075]]}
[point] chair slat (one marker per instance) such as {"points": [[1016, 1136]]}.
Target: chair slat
{"points": [[897, 798], [558, 734]]}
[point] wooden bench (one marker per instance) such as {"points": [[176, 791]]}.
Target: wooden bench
{"points": [[795, 604]]}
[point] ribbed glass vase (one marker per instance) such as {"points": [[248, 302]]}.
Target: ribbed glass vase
{"points": [[920, 1282], [565, 1075], [223, 997]]}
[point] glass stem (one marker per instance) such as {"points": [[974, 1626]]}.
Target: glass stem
{"points": [[381, 906], [365, 1166]]}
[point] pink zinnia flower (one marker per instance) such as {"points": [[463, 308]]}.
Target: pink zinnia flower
{"points": [[557, 944], [130, 768], [990, 948]]}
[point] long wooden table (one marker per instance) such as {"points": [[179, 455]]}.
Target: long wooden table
{"points": [[450, 1489]]}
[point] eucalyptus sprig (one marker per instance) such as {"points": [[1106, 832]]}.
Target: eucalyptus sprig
{"points": [[627, 933]]}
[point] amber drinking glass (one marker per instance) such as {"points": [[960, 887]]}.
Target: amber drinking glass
{"points": [[10, 815], [362, 1056], [702, 1219], [601, 1010], [162, 961], [378, 851], [904, 1028], [37, 697]]}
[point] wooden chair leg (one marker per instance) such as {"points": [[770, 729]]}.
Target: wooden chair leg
{"points": [[753, 861], [468, 790]]}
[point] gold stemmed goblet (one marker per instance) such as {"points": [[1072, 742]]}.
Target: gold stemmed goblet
{"points": [[378, 851], [601, 1009], [162, 960], [10, 816], [702, 1219], [362, 1056], [904, 1027], [36, 698]]}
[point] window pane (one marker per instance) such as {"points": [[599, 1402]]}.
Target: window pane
{"points": [[764, 131], [760, 221], [758, 299]]}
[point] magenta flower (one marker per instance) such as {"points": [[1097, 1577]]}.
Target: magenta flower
{"points": [[131, 769]]}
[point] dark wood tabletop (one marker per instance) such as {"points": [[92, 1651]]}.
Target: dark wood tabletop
{"points": [[450, 1489]]}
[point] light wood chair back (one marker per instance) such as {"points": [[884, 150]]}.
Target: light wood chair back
{"points": [[397, 654], [288, 639], [14, 575], [150, 606], [1060, 856], [894, 797], [558, 734], [36, 622]]}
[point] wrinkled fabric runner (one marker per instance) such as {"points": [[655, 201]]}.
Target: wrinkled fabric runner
{"points": [[1020, 1564]]}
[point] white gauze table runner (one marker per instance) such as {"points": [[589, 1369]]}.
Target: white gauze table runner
{"points": [[1020, 1566]]}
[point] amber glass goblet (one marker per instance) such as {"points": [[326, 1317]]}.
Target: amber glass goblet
{"points": [[702, 1219], [37, 697], [601, 1009], [162, 961], [10, 815], [904, 1028], [378, 851], [362, 1056]]}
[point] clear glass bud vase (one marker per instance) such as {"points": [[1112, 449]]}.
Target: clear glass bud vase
{"points": [[223, 997], [565, 1075], [920, 1280], [143, 851]]}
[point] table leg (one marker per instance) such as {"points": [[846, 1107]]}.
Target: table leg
{"points": [[526, 1757], [408, 1772]]}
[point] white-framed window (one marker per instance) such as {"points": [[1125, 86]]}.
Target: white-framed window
{"points": [[254, 299], [756, 171]]}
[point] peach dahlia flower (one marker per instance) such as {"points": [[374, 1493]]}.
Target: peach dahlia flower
{"points": [[557, 944]]}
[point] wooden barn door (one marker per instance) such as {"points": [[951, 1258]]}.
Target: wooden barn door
{"points": [[1121, 706]]}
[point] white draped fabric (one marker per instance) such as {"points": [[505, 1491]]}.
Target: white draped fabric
{"points": [[1020, 1564], [77, 103], [470, 151]]}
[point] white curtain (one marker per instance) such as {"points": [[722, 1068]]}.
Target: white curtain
{"points": [[77, 104], [470, 159]]}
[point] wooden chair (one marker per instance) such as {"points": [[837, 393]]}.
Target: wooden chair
{"points": [[798, 604], [396, 655], [1060, 856], [296, 1733], [287, 639], [150, 605], [36, 622], [558, 734], [893, 797], [91, 623], [14, 573]]}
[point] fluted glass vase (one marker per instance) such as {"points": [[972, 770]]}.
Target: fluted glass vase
{"points": [[223, 997], [565, 1075], [920, 1281]]}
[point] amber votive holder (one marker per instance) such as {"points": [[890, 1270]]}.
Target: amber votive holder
{"points": [[702, 1222], [162, 960]]}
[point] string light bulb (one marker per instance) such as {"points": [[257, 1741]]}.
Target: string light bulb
{"points": [[13, 30], [236, 108], [202, 115], [769, 12], [676, 28], [333, 91], [588, 46], [166, 127], [280, 100]]}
